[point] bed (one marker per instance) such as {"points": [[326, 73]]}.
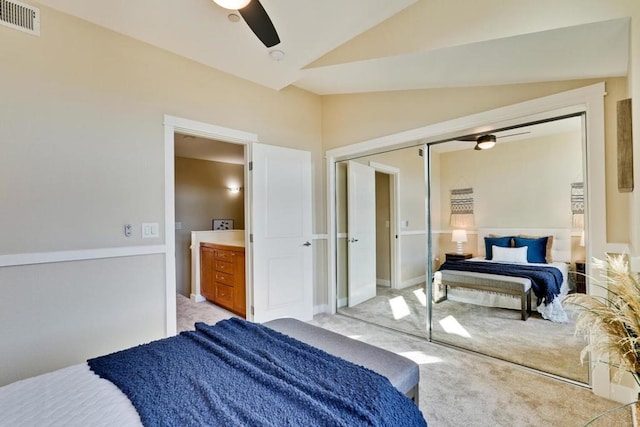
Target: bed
{"points": [[506, 289], [233, 373]]}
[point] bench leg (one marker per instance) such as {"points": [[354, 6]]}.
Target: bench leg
{"points": [[414, 394], [525, 304]]}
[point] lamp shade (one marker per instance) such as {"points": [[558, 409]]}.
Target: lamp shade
{"points": [[459, 236], [232, 4]]}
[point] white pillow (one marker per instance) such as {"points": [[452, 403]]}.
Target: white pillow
{"points": [[510, 254]]}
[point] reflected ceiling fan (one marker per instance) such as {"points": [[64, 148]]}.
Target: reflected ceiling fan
{"points": [[486, 140], [256, 18]]}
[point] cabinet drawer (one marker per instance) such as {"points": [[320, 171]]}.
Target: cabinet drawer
{"points": [[223, 254], [225, 278], [224, 295], [224, 267]]}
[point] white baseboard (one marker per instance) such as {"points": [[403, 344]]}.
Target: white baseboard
{"points": [[623, 394], [319, 309], [383, 282], [412, 282], [197, 298]]}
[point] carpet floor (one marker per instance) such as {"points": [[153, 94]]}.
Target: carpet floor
{"points": [[536, 343], [460, 388]]}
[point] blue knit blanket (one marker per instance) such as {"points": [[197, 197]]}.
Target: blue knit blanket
{"points": [[238, 373], [545, 280]]}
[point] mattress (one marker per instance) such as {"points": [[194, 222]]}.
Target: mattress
{"points": [[76, 396], [554, 312], [70, 397]]}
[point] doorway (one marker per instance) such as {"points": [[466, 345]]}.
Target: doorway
{"points": [[209, 195]]}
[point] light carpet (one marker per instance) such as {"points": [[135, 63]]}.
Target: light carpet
{"points": [[536, 343], [463, 389]]}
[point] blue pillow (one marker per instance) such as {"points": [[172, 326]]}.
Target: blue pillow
{"points": [[537, 251], [503, 242]]}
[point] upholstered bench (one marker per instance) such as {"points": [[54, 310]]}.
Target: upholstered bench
{"points": [[509, 285], [403, 373]]}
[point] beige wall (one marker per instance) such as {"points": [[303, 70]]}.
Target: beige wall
{"points": [[202, 194], [82, 137], [521, 184]]}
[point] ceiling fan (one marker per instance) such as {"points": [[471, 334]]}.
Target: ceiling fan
{"points": [[256, 18], [487, 140]]}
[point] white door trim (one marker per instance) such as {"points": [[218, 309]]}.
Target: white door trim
{"points": [[191, 127], [589, 99], [394, 229]]}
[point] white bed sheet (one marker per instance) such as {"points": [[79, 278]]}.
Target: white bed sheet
{"points": [[70, 397], [554, 311]]}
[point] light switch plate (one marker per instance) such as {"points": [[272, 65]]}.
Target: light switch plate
{"points": [[150, 229]]}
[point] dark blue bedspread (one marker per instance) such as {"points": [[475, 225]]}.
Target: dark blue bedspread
{"points": [[545, 280], [239, 373]]}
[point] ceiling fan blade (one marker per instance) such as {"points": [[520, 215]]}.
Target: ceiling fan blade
{"points": [[467, 138], [257, 19], [514, 134]]}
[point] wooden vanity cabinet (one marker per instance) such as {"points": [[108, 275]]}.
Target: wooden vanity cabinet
{"points": [[222, 278]]}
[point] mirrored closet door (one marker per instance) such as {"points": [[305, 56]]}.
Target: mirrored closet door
{"points": [[507, 230], [396, 229]]}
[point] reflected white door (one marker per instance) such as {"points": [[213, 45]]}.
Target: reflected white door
{"points": [[282, 251], [361, 236]]}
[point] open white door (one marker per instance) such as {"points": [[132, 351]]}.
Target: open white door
{"points": [[361, 236], [282, 251]]}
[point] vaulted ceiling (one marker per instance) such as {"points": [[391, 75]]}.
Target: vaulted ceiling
{"points": [[350, 46]]}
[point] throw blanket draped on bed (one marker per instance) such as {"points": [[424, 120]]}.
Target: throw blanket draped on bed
{"points": [[545, 281], [244, 374]]}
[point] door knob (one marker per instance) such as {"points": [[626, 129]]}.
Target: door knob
{"points": [[353, 240], [306, 243]]}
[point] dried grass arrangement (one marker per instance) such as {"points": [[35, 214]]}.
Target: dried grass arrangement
{"points": [[612, 321]]}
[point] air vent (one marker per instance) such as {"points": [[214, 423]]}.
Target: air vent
{"points": [[20, 16]]}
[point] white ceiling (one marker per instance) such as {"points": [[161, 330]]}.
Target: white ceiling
{"points": [[310, 29]]}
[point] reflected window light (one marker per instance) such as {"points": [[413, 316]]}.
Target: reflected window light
{"points": [[420, 357], [422, 297], [452, 326], [399, 307]]}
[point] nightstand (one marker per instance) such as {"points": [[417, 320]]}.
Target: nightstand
{"points": [[452, 256], [581, 282]]}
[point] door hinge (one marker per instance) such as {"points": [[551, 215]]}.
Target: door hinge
{"points": [[252, 311], [251, 238], [420, 152], [250, 166]]}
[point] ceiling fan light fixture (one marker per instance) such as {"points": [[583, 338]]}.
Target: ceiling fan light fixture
{"points": [[276, 55], [232, 4], [485, 142]]}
